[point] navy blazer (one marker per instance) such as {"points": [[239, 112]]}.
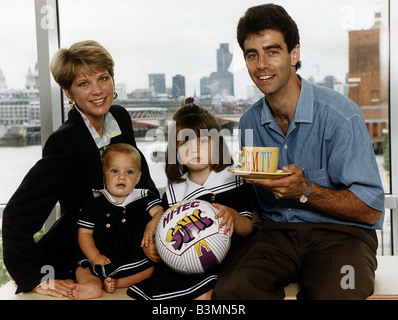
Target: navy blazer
{"points": [[68, 171]]}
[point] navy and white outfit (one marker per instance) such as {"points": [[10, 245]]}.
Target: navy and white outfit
{"points": [[220, 187], [118, 231], [69, 170]]}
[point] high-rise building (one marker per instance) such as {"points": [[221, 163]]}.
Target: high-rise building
{"points": [[157, 83], [365, 76], [205, 86], [222, 81], [224, 58], [367, 82], [178, 89]]}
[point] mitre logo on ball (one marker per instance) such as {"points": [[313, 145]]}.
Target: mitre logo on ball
{"points": [[188, 237]]}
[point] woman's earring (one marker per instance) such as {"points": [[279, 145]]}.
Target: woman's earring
{"points": [[72, 103], [115, 95]]}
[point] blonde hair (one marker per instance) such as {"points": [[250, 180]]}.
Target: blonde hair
{"points": [[84, 56], [122, 148]]}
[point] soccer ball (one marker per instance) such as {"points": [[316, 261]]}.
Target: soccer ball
{"points": [[189, 239]]}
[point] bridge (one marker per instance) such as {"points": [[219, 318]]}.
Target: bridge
{"points": [[376, 119], [156, 117]]}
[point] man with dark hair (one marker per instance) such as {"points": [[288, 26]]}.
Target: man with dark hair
{"points": [[318, 223], [253, 22]]}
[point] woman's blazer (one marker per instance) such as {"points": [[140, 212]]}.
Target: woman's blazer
{"points": [[68, 171]]}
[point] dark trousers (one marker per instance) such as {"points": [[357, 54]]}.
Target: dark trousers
{"points": [[329, 261]]}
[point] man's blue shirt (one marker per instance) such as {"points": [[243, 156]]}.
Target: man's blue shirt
{"points": [[328, 139]]}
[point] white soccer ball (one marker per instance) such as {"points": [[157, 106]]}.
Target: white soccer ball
{"points": [[189, 239]]}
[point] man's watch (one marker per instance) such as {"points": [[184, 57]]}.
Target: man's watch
{"points": [[304, 197]]}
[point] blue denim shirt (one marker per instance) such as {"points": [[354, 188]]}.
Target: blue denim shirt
{"points": [[328, 139]]}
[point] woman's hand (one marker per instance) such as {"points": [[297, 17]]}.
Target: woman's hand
{"points": [[54, 288]]}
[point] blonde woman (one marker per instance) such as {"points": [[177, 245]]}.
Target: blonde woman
{"points": [[68, 171]]}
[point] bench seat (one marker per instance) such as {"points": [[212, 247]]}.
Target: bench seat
{"points": [[386, 286]]}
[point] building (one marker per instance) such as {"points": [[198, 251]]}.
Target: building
{"points": [[121, 91], [367, 84], [178, 88], [205, 86], [222, 81], [3, 85], [157, 83], [224, 58], [32, 80]]}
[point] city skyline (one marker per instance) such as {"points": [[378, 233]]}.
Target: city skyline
{"points": [[180, 37]]}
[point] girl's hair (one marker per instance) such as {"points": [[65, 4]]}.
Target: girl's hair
{"points": [[122, 148], [84, 56], [198, 120]]}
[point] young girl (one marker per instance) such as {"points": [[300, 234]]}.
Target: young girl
{"points": [[111, 227], [197, 164]]}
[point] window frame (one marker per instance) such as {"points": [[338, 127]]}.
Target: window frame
{"points": [[392, 198], [51, 95]]}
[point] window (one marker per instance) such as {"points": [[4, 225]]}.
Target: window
{"points": [[19, 96], [19, 101], [161, 48]]}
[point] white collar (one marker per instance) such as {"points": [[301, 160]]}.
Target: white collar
{"points": [[216, 182], [133, 196]]}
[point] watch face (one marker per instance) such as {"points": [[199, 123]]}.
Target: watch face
{"points": [[303, 199]]}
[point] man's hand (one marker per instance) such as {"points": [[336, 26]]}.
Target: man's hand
{"points": [[341, 204], [290, 187]]}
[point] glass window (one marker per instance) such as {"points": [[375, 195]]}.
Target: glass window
{"points": [[19, 101], [165, 50], [19, 96]]}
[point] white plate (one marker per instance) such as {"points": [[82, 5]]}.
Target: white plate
{"points": [[258, 176]]}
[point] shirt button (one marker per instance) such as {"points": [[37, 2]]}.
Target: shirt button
{"points": [[123, 220], [124, 211], [213, 197], [285, 147], [108, 225], [108, 215]]}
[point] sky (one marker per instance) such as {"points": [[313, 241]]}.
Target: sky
{"points": [[180, 36]]}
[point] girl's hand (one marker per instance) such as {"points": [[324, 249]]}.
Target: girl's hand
{"points": [[151, 252], [100, 259], [229, 216]]}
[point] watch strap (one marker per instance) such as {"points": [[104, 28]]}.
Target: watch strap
{"points": [[308, 189]]}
